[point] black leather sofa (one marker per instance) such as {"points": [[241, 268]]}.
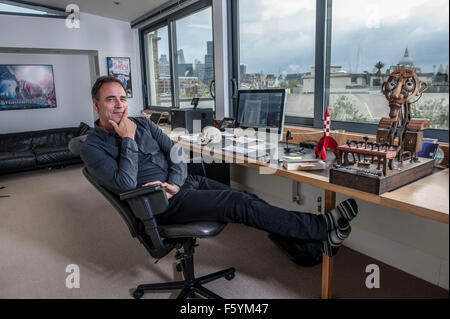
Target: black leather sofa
{"points": [[37, 149]]}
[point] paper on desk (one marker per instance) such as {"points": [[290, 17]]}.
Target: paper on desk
{"points": [[226, 134], [261, 146], [237, 149], [287, 157], [245, 140], [189, 138]]}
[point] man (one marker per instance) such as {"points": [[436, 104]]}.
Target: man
{"points": [[125, 153]]}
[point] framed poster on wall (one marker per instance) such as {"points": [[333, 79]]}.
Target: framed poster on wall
{"points": [[24, 86], [121, 69]]}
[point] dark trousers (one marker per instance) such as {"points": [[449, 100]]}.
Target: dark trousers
{"points": [[202, 199]]}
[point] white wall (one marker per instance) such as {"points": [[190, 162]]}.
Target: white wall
{"points": [[107, 36], [413, 244]]}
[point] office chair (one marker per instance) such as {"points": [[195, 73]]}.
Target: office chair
{"points": [[138, 208]]}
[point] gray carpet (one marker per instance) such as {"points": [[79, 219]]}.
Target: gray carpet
{"points": [[54, 218]]}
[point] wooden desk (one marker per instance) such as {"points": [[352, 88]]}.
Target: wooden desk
{"points": [[427, 197]]}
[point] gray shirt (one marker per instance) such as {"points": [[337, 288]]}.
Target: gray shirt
{"points": [[122, 164]]}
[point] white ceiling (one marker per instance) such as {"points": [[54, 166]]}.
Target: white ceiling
{"points": [[127, 10]]}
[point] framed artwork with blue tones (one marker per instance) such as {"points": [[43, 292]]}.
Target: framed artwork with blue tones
{"points": [[26, 87]]}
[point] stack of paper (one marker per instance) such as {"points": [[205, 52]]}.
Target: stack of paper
{"points": [[303, 164]]}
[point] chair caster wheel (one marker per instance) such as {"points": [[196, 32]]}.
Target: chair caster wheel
{"points": [[229, 276], [138, 293]]}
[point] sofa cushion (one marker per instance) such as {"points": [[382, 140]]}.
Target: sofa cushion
{"points": [[15, 142], [55, 138], [52, 154], [16, 160]]}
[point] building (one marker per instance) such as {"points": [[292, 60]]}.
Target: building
{"points": [[243, 69], [209, 64], [180, 55]]}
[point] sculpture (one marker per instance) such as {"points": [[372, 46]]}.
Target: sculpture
{"points": [[400, 88], [378, 166]]}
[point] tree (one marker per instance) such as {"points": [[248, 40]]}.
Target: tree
{"points": [[344, 110], [433, 109], [379, 66], [293, 83]]}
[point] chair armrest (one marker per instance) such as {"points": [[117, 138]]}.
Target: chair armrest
{"points": [[141, 191], [146, 201]]}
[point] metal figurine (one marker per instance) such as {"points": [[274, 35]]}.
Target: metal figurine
{"points": [[400, 88], [399, 137]]}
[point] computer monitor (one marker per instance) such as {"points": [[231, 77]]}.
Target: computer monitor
{"points": [[156, 117], [261, 109]]}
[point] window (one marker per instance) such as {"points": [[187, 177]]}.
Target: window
{"points": [[30, 9], [159, 87], [370, 38], [276, 50], [179, 60], [195, 58], [338, 54]]}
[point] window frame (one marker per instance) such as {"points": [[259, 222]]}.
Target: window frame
{"points": [[323, 33], [170, 22], [51, 12]]}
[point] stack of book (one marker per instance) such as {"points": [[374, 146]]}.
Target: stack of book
{"points": [[295, 163]]}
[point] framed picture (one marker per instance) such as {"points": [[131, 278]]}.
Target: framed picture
{"points": [[24, 86], [121, 69]]}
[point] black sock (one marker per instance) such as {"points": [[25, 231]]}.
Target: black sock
{"points": [[336, 237], [348, 209]]}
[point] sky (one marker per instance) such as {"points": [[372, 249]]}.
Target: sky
{"points": [[278, 36], [193, 32]]}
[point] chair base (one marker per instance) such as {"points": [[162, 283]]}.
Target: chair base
{"points": [[189, 287]]}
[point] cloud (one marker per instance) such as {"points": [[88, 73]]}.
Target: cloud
{"points": [[295, 67], [200, 26], [281, 9], [256, 28]]}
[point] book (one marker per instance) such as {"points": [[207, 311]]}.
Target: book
{"points": [[303, 164]]}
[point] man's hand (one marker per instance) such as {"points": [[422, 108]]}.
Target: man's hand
{"points": [[170, 189], [126, 127]]}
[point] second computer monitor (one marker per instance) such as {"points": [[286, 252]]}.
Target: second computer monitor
{"points": [[261, 109]]}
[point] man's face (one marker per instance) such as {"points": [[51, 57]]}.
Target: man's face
{"points": [[111, 104]]}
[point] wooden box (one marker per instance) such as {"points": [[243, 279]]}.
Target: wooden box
{"points": [[382, 134], [413, 141], [355, 178]]}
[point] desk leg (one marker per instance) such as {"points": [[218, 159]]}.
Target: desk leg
{"points": [[327, 262]]}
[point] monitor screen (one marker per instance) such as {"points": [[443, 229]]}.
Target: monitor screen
{"points": [[155, 117], [261, 109]]}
